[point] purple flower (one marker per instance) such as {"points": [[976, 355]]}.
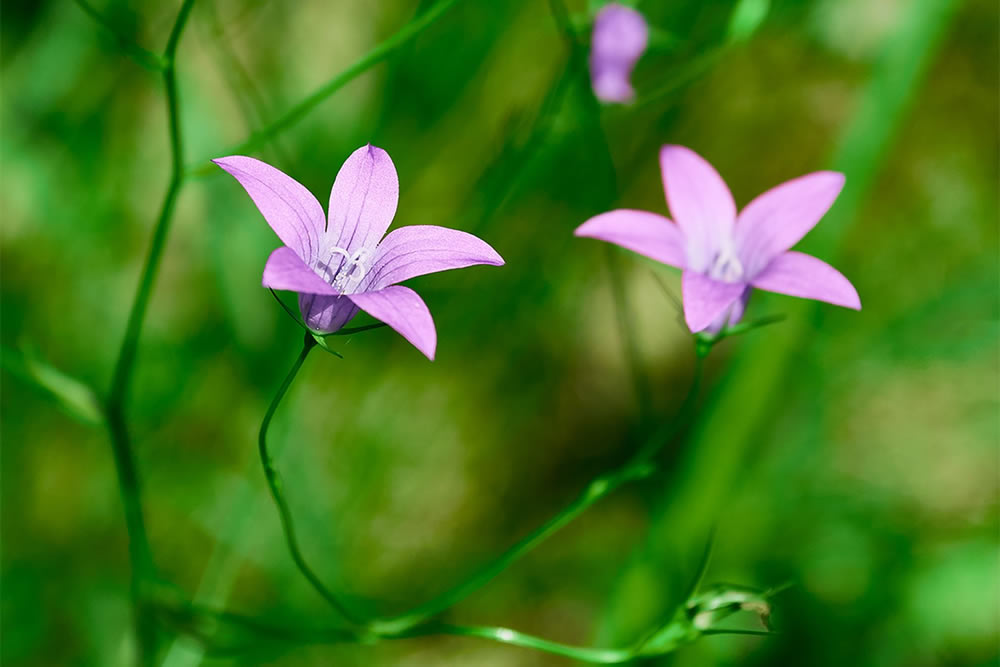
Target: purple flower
{"points": [[723, 255], [619, 39], [341, 263]]}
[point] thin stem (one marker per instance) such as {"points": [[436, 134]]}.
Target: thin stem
{"points": [[561, 16], [637, 467], [699, 576], [140, 554], [175, 33], [288, 310], [350, 331], [275, 484], [600, 656], [145, 57], [126, 355], [382, 51], [203, 623], [752, 633], [596, 490]]}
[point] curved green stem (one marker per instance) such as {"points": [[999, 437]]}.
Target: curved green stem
{"points": [[638, 467], [151, 61], [275, 484], [117, 395], [599, 656], [212, 628], [140, 554], [596, 490]]}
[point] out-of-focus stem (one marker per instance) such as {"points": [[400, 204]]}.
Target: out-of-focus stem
{"points": [[274, 483], [140, 554], [145, 57]]}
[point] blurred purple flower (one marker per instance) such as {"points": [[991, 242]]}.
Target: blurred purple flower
{"points": [[342, 263], [723, 255], [619, 39]]}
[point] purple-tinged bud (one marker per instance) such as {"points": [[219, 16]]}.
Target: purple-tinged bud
{"points": [[619, 39]]}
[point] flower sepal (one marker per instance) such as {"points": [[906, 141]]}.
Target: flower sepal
{"points": [[718, 602], [678, 632], [702, 612], [320, 339], [704, 340]]}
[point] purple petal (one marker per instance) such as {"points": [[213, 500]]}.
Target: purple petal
{"points": [[403, 310], [700, 203], [363, 200], [291, 210], [798, 274], [706, 300], [420, 249], [646, 233], [731, 315], [285, 270], [778, 219], [619, 39], [735, 312], [326, 313]]}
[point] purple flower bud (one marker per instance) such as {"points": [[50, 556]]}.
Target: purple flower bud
{"points": [[619, 39]]}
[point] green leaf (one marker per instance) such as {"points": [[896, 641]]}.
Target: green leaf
{"points": [[77, 398], [747, 17]]}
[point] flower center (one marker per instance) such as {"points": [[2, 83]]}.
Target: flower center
{"points": [[351, 271], [726, 267]]}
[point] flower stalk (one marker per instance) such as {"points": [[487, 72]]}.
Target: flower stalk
{"points": [[276, 486], [140, 554]]}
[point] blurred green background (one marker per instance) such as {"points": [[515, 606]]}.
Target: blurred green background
{"points": [[854, 455]]}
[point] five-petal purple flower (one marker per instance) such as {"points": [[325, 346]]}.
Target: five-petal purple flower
{"points": [[723, 255], [340, 262], [618, 41]]}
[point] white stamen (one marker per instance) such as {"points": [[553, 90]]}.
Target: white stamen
{"points": [[726, 266], [351, 271]]}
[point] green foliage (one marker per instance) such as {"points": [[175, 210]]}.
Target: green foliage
{"points": [[853, 455]]}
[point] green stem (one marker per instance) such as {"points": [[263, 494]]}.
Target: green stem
{"points": [[146, 58], [140, 554], [561, 16], [275, 484], [600, 656], [205, 624], [350, 331], [638, 467], [126, 355], [382, 51], [596, 490]]}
